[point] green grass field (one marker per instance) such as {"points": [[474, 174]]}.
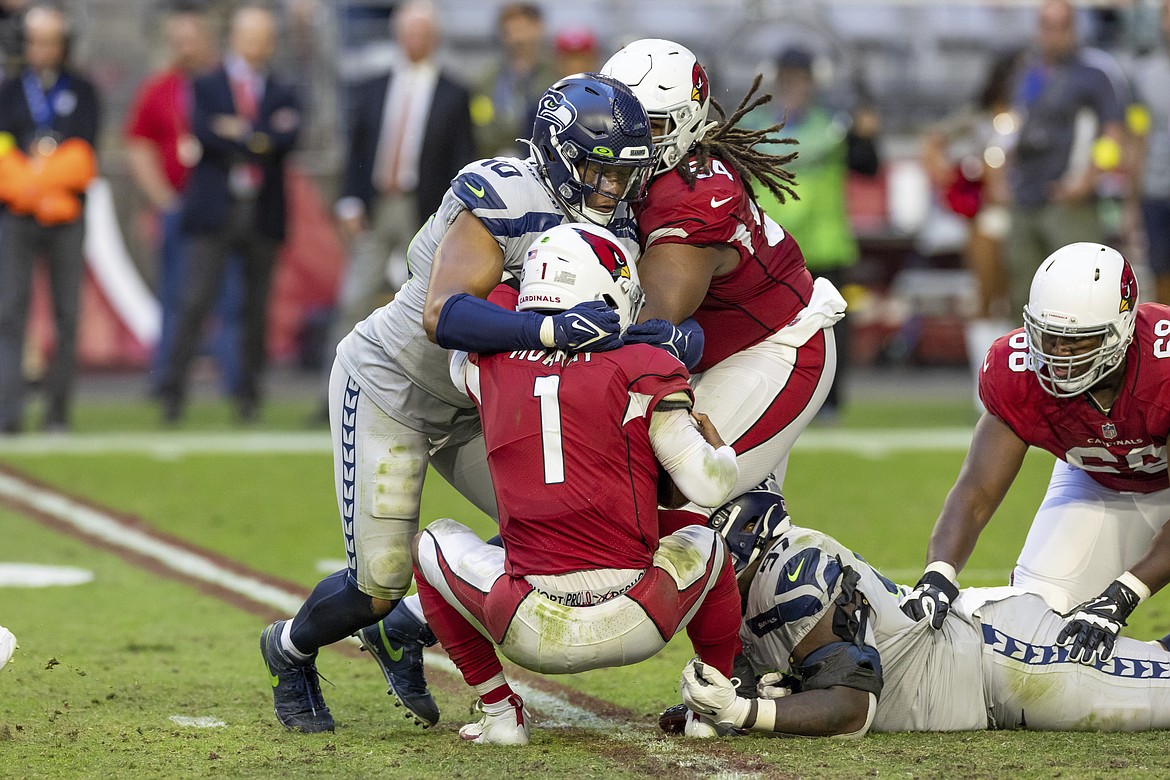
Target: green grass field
{"points": [[107, 671]]}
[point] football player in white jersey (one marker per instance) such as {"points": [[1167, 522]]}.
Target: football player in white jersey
{"points": [[393, 408], [838, 657]]}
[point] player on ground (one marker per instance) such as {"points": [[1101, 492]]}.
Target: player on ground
{"points": [[1086, 380], [710, 253], [574, 441], [839, 658], [393, 408]]}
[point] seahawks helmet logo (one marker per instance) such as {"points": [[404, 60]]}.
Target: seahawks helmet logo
{"points": [[556, 110], [700, 87], [608, 253]]}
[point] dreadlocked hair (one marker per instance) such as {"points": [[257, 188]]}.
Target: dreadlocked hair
{"points": [[736, 146]]}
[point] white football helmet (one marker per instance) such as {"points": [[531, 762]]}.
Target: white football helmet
{"points": [[1080, 291], [672, 86], [577, 262]]}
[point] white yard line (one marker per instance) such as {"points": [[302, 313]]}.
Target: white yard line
{"points": [[115, 531], [874, 443]]}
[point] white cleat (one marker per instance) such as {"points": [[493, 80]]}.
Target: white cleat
{"points": [[7, 645], [503, 723]]}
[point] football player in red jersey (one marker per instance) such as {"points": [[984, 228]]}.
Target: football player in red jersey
{"points": [[574, 443], [1085, 379], [712, 259]]}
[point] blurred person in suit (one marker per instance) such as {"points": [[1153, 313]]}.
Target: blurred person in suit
{"points": [[48, 111], [505, 101], [409, 134], [160, 152], [246, 121]]}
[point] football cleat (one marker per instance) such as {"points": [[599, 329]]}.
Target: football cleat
{"points": [[296, 689], [397, 643], [503, 723]]}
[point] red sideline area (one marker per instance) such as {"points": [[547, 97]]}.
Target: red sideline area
{"points": [[307, 275]]}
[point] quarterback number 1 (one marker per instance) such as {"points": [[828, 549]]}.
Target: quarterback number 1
{"points": [[545, 388]]}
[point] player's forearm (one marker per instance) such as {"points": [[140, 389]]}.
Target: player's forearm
{"points": [[706, 475], [833, 712]]}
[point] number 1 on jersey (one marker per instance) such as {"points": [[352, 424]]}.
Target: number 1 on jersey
{"points": [[545, 388]]}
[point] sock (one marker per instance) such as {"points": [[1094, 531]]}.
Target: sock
{"points": [[471, 652], [494, 690], [413, 605], [714, 630], [290, 650], [334, 610]]}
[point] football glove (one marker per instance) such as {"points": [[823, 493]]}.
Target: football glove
{"points": [[705, 691], [1094, 625], [587, 327], [931, 598], [776, 685], [685, 342]]}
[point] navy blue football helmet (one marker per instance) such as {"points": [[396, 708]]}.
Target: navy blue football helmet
{"points": [[750, 522], [591, 138]]}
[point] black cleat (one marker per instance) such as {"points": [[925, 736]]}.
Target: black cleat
{"points": [[296, 690], [397, 643]]}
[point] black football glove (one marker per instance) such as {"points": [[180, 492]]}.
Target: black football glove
{"points": [[685, 342], [932, 597], [587, 327], [1093, 626]]}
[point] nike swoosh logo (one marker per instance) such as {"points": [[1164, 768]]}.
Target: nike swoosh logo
{"points": [[478, 192], [796, 572], [274, 680], [717, 203], [395, 653], [584, 328], [986, 365]]}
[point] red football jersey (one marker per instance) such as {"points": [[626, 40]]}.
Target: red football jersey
{"points": [[569, 452], [770, 284], [1124, 450]]}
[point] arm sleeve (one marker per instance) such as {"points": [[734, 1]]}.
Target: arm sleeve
{"points": [[475, 325], [705, 475]]}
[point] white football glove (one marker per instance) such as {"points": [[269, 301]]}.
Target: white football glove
{"points": [[775, 685], [706, 691]]}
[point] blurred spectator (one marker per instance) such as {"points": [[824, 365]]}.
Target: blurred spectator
{"points": [[410, 133], [964, 156], [576, 51], [246, 121], [49, 120], [11, 22], [505, 102], [832, 144], [1150, 168], [1070, 131], [160, 152]]}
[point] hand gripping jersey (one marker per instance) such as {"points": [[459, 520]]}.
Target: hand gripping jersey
{"points": [[389, 354], [570, 456], [933, 679], [1124, 450], [770, 284]]}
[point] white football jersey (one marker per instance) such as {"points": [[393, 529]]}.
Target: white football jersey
{"points": [[933, 679], [389, 354]]}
